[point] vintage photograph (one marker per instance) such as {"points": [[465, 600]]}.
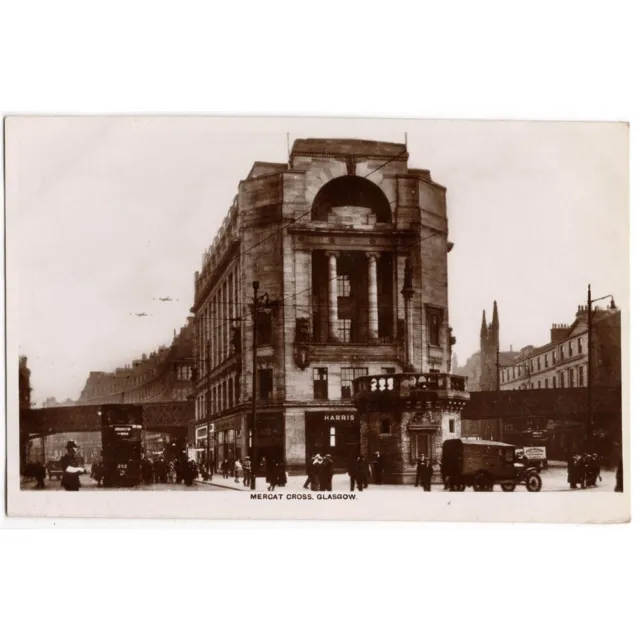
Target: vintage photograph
{"points": [[312, 318]]}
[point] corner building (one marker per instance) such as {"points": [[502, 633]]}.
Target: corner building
{"points": [[327, 236]]}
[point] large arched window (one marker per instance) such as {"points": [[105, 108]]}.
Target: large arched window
{"points": [[351, 191]]}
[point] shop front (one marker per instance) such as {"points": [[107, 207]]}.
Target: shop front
{"points": [[270, 438], [226, 443], [333, 432]]}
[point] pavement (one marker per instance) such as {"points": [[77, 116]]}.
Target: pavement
{"points": [[88, 484], [554, 478]]}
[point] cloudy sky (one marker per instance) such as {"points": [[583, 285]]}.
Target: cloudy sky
{"points": [[105, 214]]}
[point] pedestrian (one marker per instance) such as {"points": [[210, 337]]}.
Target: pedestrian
{"points": [[356, 473], [422, 463], [271, 475], [574, 470], [309, 470], [315, 472], [237, 470], [39, 473], [592, 471], [282, 474], [377, 468], [425, 473], [246, 472], [71, 469], [326, 474], [225, 469], [97, 472]]}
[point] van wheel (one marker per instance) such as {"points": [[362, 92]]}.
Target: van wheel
{"points": [[508, 486], [533, 482], [482, 481]]}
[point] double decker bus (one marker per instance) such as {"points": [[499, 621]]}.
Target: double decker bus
{"points": [[121, 444]]}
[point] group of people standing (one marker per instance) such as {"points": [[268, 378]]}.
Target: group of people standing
{"points": [[584, 470], [319, 473]]}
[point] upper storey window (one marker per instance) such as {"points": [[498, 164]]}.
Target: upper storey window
{"points": [[351, 191]]}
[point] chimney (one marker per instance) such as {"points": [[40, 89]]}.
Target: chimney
{"points": [[559, 332]]}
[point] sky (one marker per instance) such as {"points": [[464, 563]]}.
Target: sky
{"points": [[105, 214]]}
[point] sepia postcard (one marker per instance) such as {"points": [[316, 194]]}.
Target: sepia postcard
{"points": [[319, 319]]}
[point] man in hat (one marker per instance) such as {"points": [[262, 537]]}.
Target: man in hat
{"points": [[71, 469], [326, 473]]}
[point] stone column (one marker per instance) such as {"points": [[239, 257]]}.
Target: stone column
{"points": [[333, 295], [372, 259], [407, 294]]}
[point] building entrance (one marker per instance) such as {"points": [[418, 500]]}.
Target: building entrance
{"points": [[269, 443], [333, 432]]}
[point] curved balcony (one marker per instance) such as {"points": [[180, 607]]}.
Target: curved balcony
{"points": [[410, 389]]}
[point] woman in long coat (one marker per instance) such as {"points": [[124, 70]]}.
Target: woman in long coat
{"points": [[271, 475]]}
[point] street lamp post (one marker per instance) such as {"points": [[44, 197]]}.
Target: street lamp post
{"points": [[254, 431], [209, 408], [258, 303]]}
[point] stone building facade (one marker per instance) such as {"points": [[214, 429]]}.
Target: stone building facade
{"points": [[327, 236], [162, 376], [562, 362]]}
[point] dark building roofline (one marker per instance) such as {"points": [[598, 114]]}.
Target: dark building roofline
{"points": [[348, 146]]}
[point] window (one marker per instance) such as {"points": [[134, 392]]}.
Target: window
{"points": [[344, 286], [347, 376], [434, 321], [553, 380], [561, 352], [579, 345], [264, 328], [385, 426], [230, 391], [561, 375], [572, 381], [539, 384], [580, 376], [546, 383], [320, 384], [452, 426], [553, 357], [570, 348], [344, 329], [538, 363], [332, 436], [388, 371], [265, 384], [502, 376], [546, 360]]}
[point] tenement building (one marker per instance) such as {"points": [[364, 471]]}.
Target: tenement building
{"points": [[347, 247], [161, 376], [562, 362]]}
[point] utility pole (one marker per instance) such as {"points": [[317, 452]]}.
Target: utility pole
{"points": [[589, 405], [590, 302], [259, 302], [498, 383], [209, 402], [254, 429]]}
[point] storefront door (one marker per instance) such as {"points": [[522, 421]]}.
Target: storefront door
{"points": [[334, 433]]}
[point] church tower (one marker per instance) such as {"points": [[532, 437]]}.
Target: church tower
{"points": [[489, 344]]}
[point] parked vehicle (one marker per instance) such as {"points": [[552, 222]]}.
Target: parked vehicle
{"points": [[483, 463]]}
